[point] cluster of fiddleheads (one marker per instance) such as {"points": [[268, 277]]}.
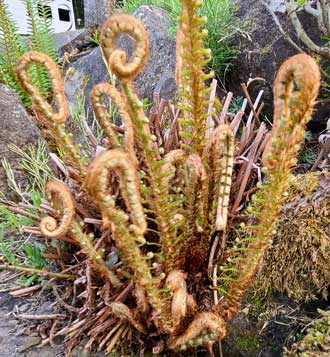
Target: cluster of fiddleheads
{"points": [[178, 200]]}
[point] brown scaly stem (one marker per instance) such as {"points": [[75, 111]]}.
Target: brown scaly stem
{"points": [[54, 119], [295, 90], [195, 178]]}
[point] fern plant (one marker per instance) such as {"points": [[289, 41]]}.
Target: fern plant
{"points": [[13, 46], [163, 210]]}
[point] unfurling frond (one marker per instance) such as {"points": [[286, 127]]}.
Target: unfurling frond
{"points": [[218, 157], [23, 65], [193, 58], [60, 196], [128, 230], [295, 92], [114, 26], [52, 116]]}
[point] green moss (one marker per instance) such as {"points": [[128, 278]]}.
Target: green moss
{"points": [[248, 343], [297, 263]]}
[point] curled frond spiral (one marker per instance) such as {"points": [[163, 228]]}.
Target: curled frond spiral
{"points": [[25, 79], [52, 118], [97, 183], [60, 196], [114, 26], [295, 90]]}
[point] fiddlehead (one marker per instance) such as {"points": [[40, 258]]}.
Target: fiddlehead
{"points": [[120, 162], [157, 194], [182, 303], [295, 91], [128, 237], [23, 65], [60, 197], [114, 26], [54, 119]]}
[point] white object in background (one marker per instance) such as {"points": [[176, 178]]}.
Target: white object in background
{"points": [[61, 15]]}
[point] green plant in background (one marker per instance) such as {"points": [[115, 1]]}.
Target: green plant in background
{"points": [[307, 155], [221, 26], [13, 45], [236, 105], [34, 160], [6, 248], [12, 222], [33, 260]]}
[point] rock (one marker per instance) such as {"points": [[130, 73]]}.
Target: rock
{"points": [[15, 335], [80, 41], [95, 11], [261, 55], [157, 74], [71, 40], [15, 128]]}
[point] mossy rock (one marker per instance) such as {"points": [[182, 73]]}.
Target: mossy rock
{"points": [[297, 263]]}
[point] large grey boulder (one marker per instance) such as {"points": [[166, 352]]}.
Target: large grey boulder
{"points": [[159, 69], [15, 128], [95, 12], [262, 52]]}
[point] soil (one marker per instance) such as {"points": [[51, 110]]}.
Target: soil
{"points": [[19, 337]]}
